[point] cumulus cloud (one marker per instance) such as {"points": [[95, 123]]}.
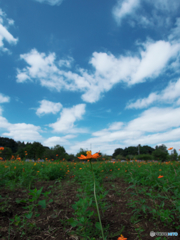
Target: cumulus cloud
{"points": [[156, 120], [133, 69], [150, 128], [40, 64], [154, 59], [4, 99], [52, 141], [21, 131], [4, 33], [22, 76], [159, 13], [124, 8], [47, 107], [65, 124], [167, 95], [108, 69]]}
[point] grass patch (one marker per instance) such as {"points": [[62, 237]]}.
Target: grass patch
{"points": [[134, 199]]}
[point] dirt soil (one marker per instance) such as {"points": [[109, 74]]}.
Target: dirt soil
{"points": [[50, 226]]}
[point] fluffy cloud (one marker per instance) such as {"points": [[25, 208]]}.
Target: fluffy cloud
{"points": [[4, 99], [150, 128], [47, 107], [159, 12], [156, 120], [154, 59], [65, 124], [168, 95], [4, 33], [124, 8], [108, 69]]}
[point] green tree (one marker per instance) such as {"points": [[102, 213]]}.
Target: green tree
{"points": [[71, 157], [60, 151], [118, 151], [34, 150], [8, 142], [38, 150], [147, 150], [174, 155], [160, 154], [48, 153], [6, 153], [162, 147], [132, 150]]}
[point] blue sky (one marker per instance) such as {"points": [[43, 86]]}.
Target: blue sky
{"points": [[91, 74]]}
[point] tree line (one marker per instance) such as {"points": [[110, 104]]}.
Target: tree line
{"points": [[37, 151], [146, 153]]}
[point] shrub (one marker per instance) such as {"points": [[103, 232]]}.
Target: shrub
{"points": [[54, 173], [129, 157], [120, 157], [144, 157], [160, 155]]}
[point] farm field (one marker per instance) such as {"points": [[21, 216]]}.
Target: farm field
{"points": [[55, 200]]}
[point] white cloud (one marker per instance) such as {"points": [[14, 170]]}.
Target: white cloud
{"points": [[4, 33], [175, 32], [168, 95], [159, 137], [47, 107], [4, 123], [152, 127], [29, 132], [65, 124], [50, 2], [22, 76], [66, 62], [156, 119], [124, 8], [143, 103], [1, 110], [159, 13], [171, 92], [154, 59], [108, 69], [131, 69], [53, 141], [21, 131], [4, 99], [40, 65], [165, 5]]}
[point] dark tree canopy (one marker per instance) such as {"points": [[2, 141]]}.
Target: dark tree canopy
{"points": [[36, 150], [133, 150]]}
